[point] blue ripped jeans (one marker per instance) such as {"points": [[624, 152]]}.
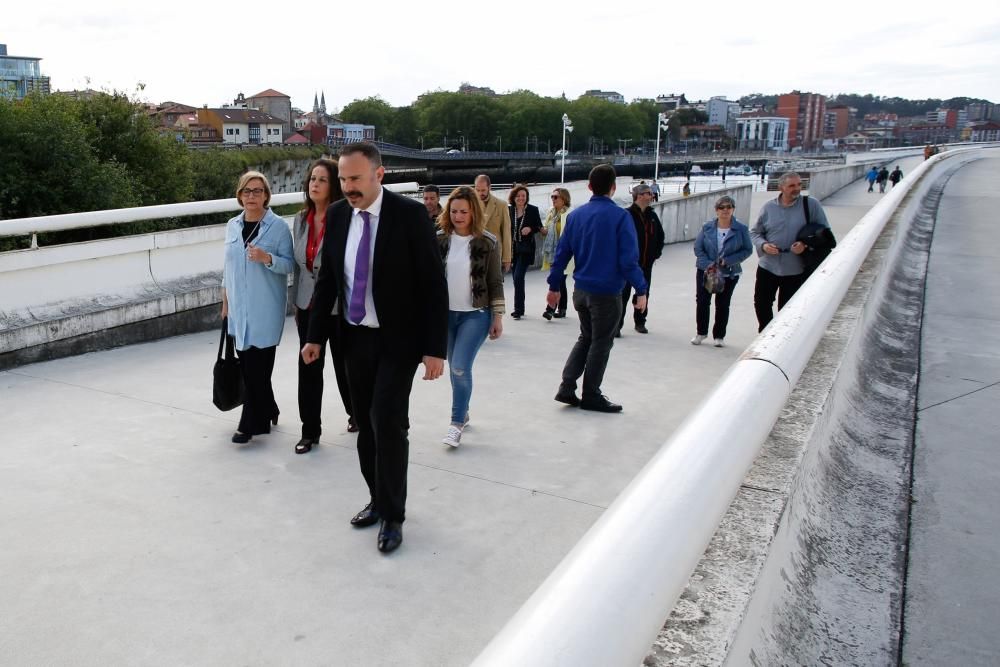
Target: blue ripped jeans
{"points": [[467, 330]]}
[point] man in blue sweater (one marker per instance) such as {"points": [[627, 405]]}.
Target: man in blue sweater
{"points": [[601, 238]]}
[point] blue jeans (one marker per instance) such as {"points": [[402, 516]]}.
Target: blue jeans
{"points": [[467, 331]]}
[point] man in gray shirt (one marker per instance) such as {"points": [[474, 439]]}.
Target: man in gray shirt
{"points": [[780, 270]]}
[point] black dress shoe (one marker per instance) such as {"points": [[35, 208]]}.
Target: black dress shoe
{"points": [[641, 328], [390, 536], [559, 314], [366, 517], [241, 438], [516, 316], [548, 314], [305, 445], [352, 426], [567, 397], [601, 404]]}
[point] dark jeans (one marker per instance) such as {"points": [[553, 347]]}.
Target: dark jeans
{"points": [[311, 377], [259, 407], [521, 264], [703, 303], [380, 383], [638, 316], [769, 284], [599, 314], [563, 296]]}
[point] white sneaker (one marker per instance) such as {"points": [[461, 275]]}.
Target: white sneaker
{"points": [[697, 339], [454, 436], [720, 342]]}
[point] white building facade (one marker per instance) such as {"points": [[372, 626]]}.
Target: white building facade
{"points": [[762, 133]]}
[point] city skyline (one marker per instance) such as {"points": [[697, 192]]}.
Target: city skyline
{"points": [[914, 54]]}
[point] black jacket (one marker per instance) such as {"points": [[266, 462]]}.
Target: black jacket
{"points": [[408, 282], [649, 231], [525, 245], [819, 242]]}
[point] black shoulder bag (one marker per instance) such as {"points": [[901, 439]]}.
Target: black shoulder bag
{"points": [[227, 378]]}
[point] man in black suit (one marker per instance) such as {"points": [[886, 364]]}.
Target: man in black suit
{"points": [[381, 262]]}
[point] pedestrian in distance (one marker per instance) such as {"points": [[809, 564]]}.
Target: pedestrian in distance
{"points": [[896, 176], [723, 242], [781, 270], [432, 201], [258, 259], [471, 259], [381, 261], [497, 218], [650, 237], [654, 187], [525, 223], [600, 236], [871, 176], [322, 188], [555, 226], [882, 179]]}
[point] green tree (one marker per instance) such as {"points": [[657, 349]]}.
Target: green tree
{"points": [[370, 111], [682, 118]]}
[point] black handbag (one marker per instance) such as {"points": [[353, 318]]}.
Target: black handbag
{"points": [[227, 378]]}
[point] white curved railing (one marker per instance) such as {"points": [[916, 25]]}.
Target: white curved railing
{"points": [[606, 601]]}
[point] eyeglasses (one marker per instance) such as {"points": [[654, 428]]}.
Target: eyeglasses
{"points": [[256, 192], [723, 207], [556, 197]]}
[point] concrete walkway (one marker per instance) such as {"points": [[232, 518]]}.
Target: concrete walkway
{"points": [[134, 532], [953, 585]]}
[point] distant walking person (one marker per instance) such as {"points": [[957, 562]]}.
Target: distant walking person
{"points": [[655, 189], [882, 179], [649, 233], [525, 222], [871, 177], [497, 218], [723, 242], [471, 258], [308, 232], [381, 261], [601, 237], [255, 272], [896, 176], [432, 201], [780, 270], [555, 225]]}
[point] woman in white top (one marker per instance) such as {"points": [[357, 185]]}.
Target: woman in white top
{"points": [[471, 257]]}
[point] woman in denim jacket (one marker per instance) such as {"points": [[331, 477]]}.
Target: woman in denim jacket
{"points": [[258, 260], [733, 237]]}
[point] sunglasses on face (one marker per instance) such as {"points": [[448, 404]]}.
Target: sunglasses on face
{"points": [[723, 207]]}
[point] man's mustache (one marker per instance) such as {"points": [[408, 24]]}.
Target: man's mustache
{"points": [[353, 193]]}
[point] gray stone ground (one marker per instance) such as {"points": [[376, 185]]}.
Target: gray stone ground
{"points": [[952, 602], [134, 532]]}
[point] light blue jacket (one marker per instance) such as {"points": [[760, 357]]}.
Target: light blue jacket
{"points": [[736, 248], [256, 293]]}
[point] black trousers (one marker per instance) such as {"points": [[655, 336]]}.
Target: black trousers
{"points": [[599, 315], [638, 316], [764, 290], [380, 384], [521, 263], [563, 297], [259, 407], [703, 303], [311, 377]]}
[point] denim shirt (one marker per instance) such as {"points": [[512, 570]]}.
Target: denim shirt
{"points": [[256, 293], [736, 248]]}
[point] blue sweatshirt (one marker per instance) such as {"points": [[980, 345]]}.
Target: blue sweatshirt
{"points": [[600, 237]]}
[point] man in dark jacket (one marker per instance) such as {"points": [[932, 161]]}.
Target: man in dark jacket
{"points": [[649, 233]]}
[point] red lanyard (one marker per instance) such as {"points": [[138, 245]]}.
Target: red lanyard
{"points": [[314, 241]]}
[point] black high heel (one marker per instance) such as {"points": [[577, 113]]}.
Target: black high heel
{"points": [[274, 419]]}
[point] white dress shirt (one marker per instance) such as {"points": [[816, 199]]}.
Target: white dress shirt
{"points": [[350, 257]]}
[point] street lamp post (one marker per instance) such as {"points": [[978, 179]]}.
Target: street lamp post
{"points": [[567, 127], [661, 124]]}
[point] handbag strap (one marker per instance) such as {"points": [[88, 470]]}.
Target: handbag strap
{"points": [[225, 339]]}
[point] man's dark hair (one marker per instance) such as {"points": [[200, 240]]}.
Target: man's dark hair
{"points": [[433, 188], [601, 178], [366, 149]]}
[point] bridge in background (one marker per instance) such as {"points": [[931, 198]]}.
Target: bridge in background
{"points": [[143, 535]]}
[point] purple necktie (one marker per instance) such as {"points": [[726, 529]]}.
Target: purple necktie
{"points": [[357, 307]]}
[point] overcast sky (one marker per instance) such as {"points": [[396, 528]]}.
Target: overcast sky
{"points": [[203, 53]]}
